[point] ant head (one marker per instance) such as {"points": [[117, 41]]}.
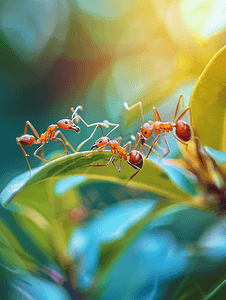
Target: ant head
{"points": [[68, 124], [145, 132], [100, 142], [136, 158]]}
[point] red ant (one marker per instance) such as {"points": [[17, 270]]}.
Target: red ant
{"points": [[28, 140], [135, 157], [183, 130]]}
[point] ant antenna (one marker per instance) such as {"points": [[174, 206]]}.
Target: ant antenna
{"points": [[76, 116], [75, 112], [77, 108], [111, 124], [131, 107], [82, 143], [68, 112]]}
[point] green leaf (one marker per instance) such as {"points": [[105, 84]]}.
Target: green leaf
{"points": [[35, 226], [44, 217], [196, 286], [187, 287], [12, 253], [218, 292], [150, 178], [208, 103]]}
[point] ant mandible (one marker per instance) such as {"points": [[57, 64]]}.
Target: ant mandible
{"points": [[183, 131], [135, 157], [29, 140]]}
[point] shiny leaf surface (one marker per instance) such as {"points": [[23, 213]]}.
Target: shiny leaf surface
{"points": [[208, 103], [150, 178]]}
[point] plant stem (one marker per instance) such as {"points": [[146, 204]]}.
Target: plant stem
{"points": [[215, 293]]}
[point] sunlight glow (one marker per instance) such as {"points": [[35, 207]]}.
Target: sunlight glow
{"points": [[204, 17]]}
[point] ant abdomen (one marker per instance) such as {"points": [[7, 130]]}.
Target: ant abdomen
{"points": [[183, 130], [27, 140], [136, 158]]}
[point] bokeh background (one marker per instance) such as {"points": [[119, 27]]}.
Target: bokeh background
{"points": [[57, 54]]}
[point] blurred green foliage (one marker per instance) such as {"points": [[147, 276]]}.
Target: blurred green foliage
{"points": [[57, 54]]}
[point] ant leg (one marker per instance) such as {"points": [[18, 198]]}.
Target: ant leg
{"points": [[36, 151], [42, 153], [25, 154], [155, 141], [181, 116], [153, 149], [111, 124], [135, 145], [134, 175], [132, 165], [101, 148], [177, 107], [119, 167], [138, 138], [163, 149], [28, 123], [135, 167], [118, 139], [126, 145], [134, 138], [156, 114], [179, 140], [131, 107], [141, 148], [53, 138], [110, 161], [64, 139], [166, 145], [82, 143]]}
